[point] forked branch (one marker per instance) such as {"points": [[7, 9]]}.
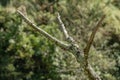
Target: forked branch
{"points": [[47, 35], [71, 47]]}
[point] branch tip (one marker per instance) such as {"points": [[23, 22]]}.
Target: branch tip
{"points": [[68, 38]]}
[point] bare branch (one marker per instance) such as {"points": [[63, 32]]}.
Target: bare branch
{"points": [[91, 73], [87, 48], [89, 70], [47, 35], [74, 48], [68, 38], [63, 26]]}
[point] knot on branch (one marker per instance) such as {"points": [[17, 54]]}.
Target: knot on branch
{"points": [[74, 48], [70, 39]]}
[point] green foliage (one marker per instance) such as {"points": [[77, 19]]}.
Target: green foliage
{"points": [[27, 55]]}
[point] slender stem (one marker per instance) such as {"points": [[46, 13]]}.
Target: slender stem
{"points": [[70, 39], [87, 48], [89, 70]]}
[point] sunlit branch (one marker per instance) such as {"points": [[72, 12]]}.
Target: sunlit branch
{"points": [[72, 47], [47, 35], [70, 39]]}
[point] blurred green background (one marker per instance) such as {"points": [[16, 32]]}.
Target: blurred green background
{"points": [[27, 55]]}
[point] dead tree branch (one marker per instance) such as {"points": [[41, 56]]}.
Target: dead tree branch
{"points": [[71, 47], [68, 38], [87, 48], [88, 68], [56, 41]]}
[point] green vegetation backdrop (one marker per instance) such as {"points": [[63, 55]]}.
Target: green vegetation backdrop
{"points": [[27, 55]]}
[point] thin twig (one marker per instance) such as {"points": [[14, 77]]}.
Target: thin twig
{"points": [[89, 70], [70, 39], [47, 35], [87, 48]]}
